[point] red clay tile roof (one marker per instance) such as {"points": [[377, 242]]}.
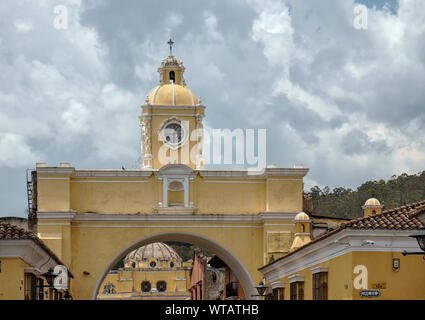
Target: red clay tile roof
{"points": [[319, 217], [402, 218], [13, 232]]}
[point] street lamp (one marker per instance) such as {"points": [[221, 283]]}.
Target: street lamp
{"points": [[261, 289], [50, 277], [420, 238]]}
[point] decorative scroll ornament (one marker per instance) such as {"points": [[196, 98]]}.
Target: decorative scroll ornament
{"points": [[146, 144], [199, 142]]}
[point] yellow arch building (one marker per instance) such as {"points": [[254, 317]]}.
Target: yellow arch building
{"points": [[91, 219]]}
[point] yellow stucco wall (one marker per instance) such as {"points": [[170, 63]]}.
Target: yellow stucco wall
{"points": [[233, 197], [53, 193], [12, 279], [284, 195], [132, 196], [408, 283], [141, 195]]}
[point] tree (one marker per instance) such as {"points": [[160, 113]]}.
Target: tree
{"points": [[346, 203]]}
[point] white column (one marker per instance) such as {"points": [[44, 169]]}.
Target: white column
{"points": [[165, 192], [186, 192]]}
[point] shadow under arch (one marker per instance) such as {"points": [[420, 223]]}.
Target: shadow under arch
{"points": [[210, 245]]}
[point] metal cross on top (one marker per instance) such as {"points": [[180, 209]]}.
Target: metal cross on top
{"points": [[170, 43]]}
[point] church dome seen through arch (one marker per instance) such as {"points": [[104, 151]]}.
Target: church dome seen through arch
{"points": [[153, 255]]}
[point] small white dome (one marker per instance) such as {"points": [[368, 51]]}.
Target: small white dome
{"points": [[372, 202], [302, 216]]}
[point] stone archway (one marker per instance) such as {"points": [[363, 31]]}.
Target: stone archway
{"points": [[224, 254]]}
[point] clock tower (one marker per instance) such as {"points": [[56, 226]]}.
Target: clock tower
{"points": [[171, 120]]}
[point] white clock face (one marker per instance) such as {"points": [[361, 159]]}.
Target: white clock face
{"points": [[173, 133]]}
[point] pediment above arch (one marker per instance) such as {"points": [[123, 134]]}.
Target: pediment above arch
{"points": [[175, 169]]}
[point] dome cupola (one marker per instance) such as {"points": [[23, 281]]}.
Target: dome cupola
{"points": [[372, 206], [302, 230], [153, 255], [171, 90]]}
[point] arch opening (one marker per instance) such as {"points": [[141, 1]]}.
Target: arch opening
{"points": [[210, 245]]}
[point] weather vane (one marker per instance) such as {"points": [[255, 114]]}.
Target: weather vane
{"points": [[170, 43]]}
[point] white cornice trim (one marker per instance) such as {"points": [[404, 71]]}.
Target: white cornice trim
{"points": [[28, 251], [296, 278], [277, 216], [177, 209], [171, 114], [278, 284], [112, 173], [319, 269], [284, 179], [55, 215], [266, 219], [234, 181], [263, 174], [163, 226], [286, 171], [54, 170], [231, 174], [109, 181], [32, 270], [88, 173]]}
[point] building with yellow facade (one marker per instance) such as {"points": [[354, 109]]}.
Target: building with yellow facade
{"points": [[154, 271], [361, 259], [24, 259]]}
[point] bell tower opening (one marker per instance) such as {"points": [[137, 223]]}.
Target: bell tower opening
{"points": [[172, 77]]}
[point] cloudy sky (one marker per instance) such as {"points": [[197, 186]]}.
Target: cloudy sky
{"points": [[349, 104]]}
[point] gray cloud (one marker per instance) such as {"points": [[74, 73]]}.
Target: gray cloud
{"points": [[331, 97], [357, 142]]}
